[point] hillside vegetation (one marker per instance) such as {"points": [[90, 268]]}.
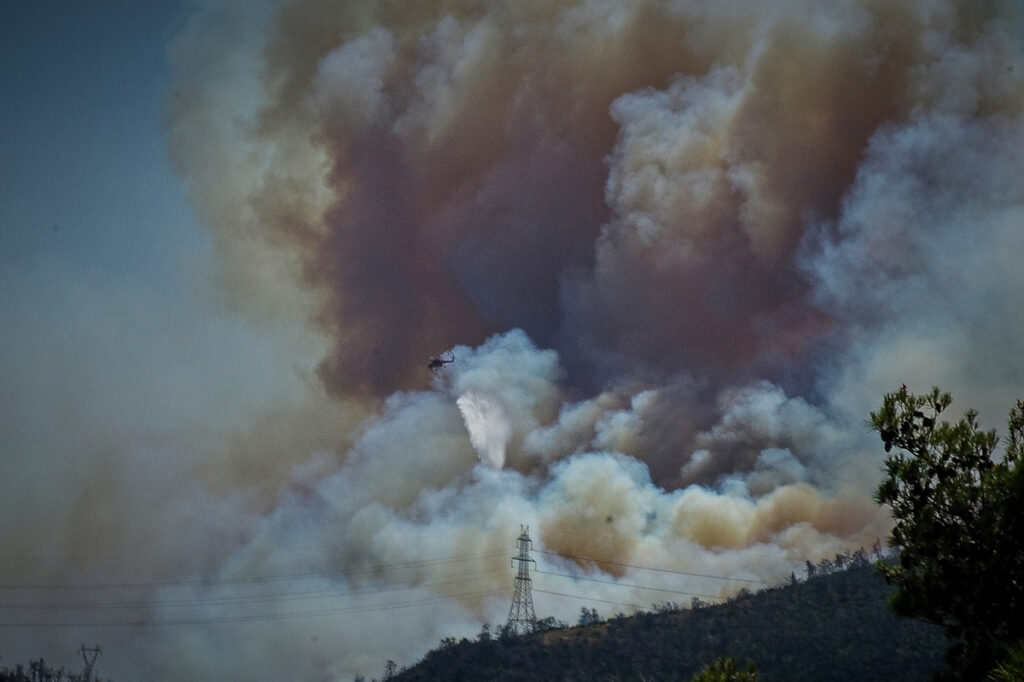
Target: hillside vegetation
{"points": [[834, 627]]}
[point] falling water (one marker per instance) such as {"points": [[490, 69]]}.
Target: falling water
{"points": [[488, 427]]}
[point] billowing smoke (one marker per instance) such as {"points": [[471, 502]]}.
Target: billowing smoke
{"points": [[679, 251]]}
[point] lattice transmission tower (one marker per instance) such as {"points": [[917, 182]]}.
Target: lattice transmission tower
{"points": [[89, 656], [521, 618]]}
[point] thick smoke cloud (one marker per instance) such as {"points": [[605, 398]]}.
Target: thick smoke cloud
{"points": [[716, 234], [678, 249]]}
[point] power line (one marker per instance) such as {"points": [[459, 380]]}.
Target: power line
{"points": [[621, 584], [588, 599], [240, 599], [352, 609], [299, 595], [273, 578], [120, 674], [255, 617], [652, 568], [119, 671], [200, 582], [257, 598]]}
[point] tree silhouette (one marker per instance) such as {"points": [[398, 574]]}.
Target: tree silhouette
{"points": [[956, 505]]}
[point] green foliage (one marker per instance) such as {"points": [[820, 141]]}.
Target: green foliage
{"points": [[956, 508], [1011, 669], [724, 670], [549, 623]]}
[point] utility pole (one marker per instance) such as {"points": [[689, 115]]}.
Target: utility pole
{"points": [[521, 618], [89, 656]]}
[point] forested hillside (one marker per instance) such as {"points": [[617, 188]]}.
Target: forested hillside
{"points": [[834, 627]]}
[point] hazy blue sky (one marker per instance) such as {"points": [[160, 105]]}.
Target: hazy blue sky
{"points": [[85, 179], [99, 251], [114, 355]]}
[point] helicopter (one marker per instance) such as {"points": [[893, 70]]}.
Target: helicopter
{"points": [[439, 362]]}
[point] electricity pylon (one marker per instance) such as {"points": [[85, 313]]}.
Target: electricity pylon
{"points": [[89, 656], [521, 618]]}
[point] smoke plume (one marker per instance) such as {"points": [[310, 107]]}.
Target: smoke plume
{"points": [[679, 250]]}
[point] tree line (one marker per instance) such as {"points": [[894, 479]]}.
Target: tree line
{"points": [[39, 671]]}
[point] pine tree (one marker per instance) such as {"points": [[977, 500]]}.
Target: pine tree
{"points": [[956, 505]]}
